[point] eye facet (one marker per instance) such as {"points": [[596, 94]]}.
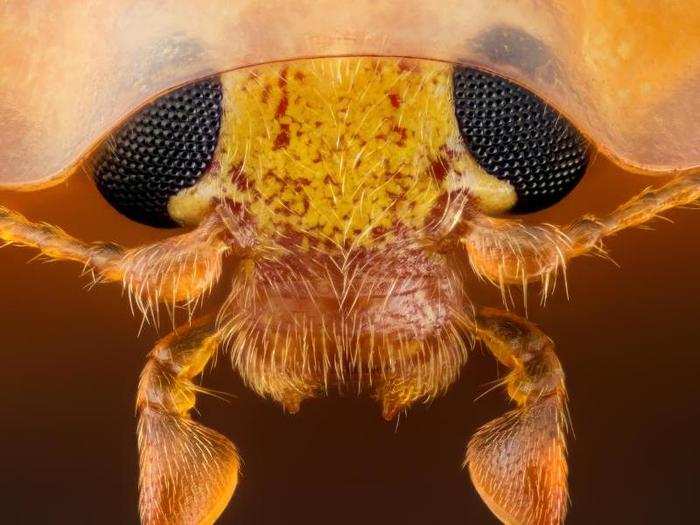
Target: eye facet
{"points": [[518, 138], [161, 150]]}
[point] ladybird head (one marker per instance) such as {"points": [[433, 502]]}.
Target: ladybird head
{"points": [[342, 149]]}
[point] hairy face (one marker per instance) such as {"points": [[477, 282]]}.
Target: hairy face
{"points": [[345, 185], [341, 151], [344, 169]]}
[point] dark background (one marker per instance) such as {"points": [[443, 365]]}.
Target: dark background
{"points": [[627, 338]]}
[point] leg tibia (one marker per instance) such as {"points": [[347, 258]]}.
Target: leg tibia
{"points": [[518, 461], [188, 472]]}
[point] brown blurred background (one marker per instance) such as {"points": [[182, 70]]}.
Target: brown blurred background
{"points": [[628, 339]]}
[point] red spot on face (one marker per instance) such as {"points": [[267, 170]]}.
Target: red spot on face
{"points": [[242, 183], [239, 178], [265, 94], [282, 106], [402, 133], [439, 169], [407, 65], [437, 212], [284, 101], [236, 208], [379, 231], [395, 100], [282, 138], [282, 82]]}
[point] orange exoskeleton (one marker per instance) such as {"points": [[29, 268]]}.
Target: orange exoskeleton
{"points": [[351, 196]]}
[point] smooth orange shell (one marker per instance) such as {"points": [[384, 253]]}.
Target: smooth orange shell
{"points": [[626, 72]]}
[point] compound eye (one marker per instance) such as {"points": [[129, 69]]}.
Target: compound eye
{"points": [[162, 149], [518, 138]]}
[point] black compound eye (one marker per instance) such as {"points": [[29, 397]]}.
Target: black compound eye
{"points": [[161, 150], [518, 138]]}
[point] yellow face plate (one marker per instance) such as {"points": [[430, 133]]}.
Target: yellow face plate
{"points": [[344, 150]]}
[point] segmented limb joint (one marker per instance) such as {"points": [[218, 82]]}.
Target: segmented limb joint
{"points": [[518, 461], [188, 472]]}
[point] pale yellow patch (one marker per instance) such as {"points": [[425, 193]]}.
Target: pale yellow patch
{"points": [[190, 206], [493, 195]]}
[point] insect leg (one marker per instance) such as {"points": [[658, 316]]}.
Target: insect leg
{"points": [[518, 461], [176, 269], [188, 472], [509, 252]]}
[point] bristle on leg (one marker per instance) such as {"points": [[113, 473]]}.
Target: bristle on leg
{"points": [[188, 472], [518, 461]]}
